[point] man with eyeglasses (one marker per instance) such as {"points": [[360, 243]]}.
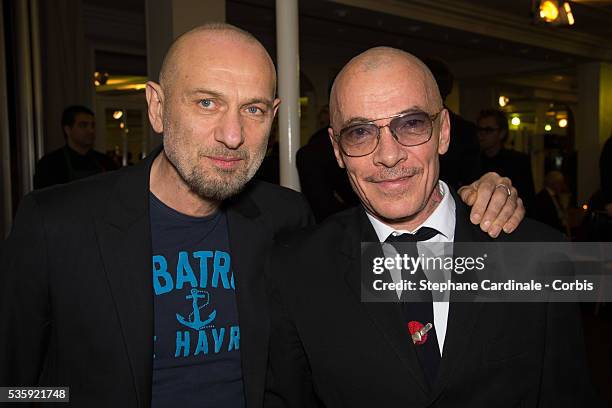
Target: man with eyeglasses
{"points": [[330, 347], [492, 134]]}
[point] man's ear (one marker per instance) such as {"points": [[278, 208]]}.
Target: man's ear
{"points": [[444, 137], [275, 106], [155, 102], [336, 147]]}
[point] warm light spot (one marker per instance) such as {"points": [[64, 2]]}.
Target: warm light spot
{"points": [[516, 121], [503, 100], [117, 114], [568, 12], [547, 127], [549, 11], [562, 123]]}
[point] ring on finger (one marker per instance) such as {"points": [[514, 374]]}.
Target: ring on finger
{"points": [[506, 187]]}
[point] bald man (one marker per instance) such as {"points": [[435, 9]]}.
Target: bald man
{"points": [[332, 347], [145, 287]]}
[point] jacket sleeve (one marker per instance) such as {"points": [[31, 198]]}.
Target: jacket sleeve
{"points": [[300, 216], [306, 216], [25, 321], [289, 379]]}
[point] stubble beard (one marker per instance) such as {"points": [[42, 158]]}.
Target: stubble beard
{"points": [[216, 184]]}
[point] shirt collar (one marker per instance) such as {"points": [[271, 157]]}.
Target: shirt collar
{"points": [[442, 218]]}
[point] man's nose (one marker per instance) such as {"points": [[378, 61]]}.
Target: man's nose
{"points": [[388, 152], [229, 131]]}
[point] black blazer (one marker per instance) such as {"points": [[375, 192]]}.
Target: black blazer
{"points": [[329, 349], [544, 210], [76, 299]]}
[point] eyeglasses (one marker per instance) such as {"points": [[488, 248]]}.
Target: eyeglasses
{"points": [[408, 129], [487, 129]]}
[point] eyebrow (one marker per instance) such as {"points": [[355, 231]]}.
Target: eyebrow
{"points": [[263, 101], [199, 91], [360, 119], [216, 94]]}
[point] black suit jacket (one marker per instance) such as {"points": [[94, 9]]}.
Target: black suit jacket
{"points": [[517, 167], [330, 349], [76, 299], [324, 184], [65, 165], [460, 165], [544, 210]]}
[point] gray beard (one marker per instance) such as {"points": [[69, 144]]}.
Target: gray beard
{"points": [[218, 188]]}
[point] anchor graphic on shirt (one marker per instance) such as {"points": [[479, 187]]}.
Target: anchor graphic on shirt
{"points": [[194, 321]]}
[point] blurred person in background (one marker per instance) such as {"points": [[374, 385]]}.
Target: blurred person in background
{"points": [[461, 163], [76, 159], [492, 134], [324, 184], [605, 175], [548, 206]]}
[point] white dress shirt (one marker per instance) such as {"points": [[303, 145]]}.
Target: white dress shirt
{"points": [[443, 220]]}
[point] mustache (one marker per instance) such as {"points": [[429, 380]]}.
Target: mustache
{"points": [[224, 152], [394, 173]]}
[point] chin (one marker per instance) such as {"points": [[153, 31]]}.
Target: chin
{"points": [[396, 211]]}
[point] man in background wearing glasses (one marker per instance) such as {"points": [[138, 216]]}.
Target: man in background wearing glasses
{"points": [[492, 134], [328, 347]]}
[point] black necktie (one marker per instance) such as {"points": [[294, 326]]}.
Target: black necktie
{"points": [[421, 311]]}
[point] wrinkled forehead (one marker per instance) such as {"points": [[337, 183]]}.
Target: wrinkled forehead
{"points": [[225, 59], [384, 92]]}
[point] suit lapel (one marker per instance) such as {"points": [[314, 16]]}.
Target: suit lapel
{"points": [[249, 243], [462, 315], [387, 316], [124, 239]]}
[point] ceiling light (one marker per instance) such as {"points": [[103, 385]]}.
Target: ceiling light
{"points": [[553, 12], [568, 12], [547, 127], [100, 78], [516, 121], [117, 114], [562, 123], [503, 100], [549, 11]]}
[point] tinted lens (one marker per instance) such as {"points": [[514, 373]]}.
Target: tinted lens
{"points": [[359, 138], [412, 129]]}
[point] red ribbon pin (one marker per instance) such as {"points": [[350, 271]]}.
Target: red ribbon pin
{"points": [[418, 331]]}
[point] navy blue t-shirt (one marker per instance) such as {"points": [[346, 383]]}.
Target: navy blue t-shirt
{"points": [[196, 360]]}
